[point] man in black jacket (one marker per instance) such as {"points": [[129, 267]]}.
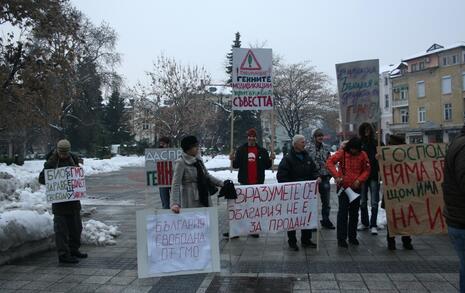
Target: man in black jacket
{"points": [[297, 165], [252, 160], [454, 198], [67, 222]]}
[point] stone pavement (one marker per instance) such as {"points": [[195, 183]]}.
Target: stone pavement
{"points": [[247, 264]]}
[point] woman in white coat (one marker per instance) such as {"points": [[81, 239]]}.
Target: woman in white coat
{"points": [[191, 180]]}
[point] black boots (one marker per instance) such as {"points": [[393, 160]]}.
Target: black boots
{"points": [[66, 258]]}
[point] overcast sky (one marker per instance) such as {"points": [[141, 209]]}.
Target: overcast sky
{"points": [[323, 32]]}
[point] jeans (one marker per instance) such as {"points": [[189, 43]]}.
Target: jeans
{"points": [[324, 189], [165, 197], [347, 209], [457, 237], [373, 185], [68, 230]]}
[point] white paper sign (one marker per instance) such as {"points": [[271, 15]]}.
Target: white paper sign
{"points": [[159, 165], [64, 184], [175, 244], [273, 208], [252, 78]]}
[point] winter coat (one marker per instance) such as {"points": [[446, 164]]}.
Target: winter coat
{"points": [[355, 167], [184, 191], [292, 168], [319, 155], [454, 184], [369, 147], [241, 161], [53, 162]]}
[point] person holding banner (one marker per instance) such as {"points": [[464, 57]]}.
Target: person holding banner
{"points": [[252, 160], [369, 144], [297, 165], [67, 222], [164, 142], [454, 199], [319, 152], [353, 170], [192, 184]]}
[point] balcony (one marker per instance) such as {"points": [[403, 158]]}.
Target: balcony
{"points": [[393, 126], [399, 103]]}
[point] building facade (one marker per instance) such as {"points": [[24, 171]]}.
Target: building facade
{"points": [[428, 91]]}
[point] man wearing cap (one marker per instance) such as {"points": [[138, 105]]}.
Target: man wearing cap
{"points": [[319, 152], [67, 222], [252, 160]]}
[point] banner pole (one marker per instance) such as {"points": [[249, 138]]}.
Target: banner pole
{"points": [[318, 231], [232, 139], [273, 133]]}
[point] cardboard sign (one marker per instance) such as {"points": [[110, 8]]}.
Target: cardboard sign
{"points": [[64, 184], [177, 244], [273, 208], [412, 178], [159, 165], [252, 79], [358, 87]]}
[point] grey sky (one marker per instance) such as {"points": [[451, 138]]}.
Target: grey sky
{"points": [[322, 32]]}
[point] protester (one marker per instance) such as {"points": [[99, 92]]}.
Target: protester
{"points": [[164, 142], [297, 165], [353, 171], [319, 152], [252, 160], [406, 239], [192, 184], [369, 144], [67, 222], [454, 199]]}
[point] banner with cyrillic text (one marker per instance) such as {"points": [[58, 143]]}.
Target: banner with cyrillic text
{"points": [[176, 244], [64, 184], [412, 177], [252, 79], [159, 165], [273, 208]]}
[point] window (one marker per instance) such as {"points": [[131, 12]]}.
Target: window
{"points": [[385, 81], [444, 61], [404, 93], [421, 114], [446, 85], [421, 65], [454, 59], [420, 89], [404, 116], [463, 80], [414, 67], [386, 101], [447, 112]]}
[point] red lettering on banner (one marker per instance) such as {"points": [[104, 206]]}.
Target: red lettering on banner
{"points": [[402, 217], [438, 170], [411, 214], [438, 214]]}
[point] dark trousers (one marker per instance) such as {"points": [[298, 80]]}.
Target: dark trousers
{"points": [[305, 236], [165, 197], [349, 210], [324, 189], [392, 239], [373, 186], [68, 230]]}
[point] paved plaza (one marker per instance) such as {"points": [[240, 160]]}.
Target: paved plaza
{"points": [[247, 264]]}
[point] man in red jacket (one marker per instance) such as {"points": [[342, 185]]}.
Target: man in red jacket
{"points": [[353, 170]]}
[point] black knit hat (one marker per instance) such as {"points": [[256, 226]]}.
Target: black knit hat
{"points": [[353, 143], [189, 142]]}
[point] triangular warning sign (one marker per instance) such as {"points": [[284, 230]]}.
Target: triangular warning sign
{"points": [[250, 62]]}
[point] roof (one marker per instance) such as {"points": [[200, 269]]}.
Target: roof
{"points": [[435, 48]]}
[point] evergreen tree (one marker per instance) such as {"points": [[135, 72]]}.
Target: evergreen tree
{"points": [[115, 120]]}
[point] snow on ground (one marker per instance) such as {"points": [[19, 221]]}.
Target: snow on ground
{"points": [[97, 233]]}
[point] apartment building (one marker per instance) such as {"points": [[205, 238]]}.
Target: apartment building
{"points": [[428, 91]]}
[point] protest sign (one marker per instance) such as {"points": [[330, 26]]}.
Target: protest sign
{"points": [[64, 184], [252, 79], [358, 87], [177, 244], [412, 178], [273, 208], [159, 165]]}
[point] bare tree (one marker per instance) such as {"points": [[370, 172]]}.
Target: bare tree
{"points": [[302, 96]]}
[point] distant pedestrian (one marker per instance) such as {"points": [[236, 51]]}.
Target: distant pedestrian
{"points": [[353, 169], [297, 165], [67, 222], [164, 142], [454, 199]]}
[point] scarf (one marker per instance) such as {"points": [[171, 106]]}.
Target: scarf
{"points": [[202, 183]]}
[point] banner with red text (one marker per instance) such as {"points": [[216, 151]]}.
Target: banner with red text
{"points": [[252, 79], [412, 178], [273, 208], [64, 184], [159, 165], [177, 244]]}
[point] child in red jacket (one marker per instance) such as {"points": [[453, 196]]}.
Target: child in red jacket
{"points": [[353, 169]]}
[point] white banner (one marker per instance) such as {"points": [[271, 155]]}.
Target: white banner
{"points": [[159, 165], [273, 208], [252, 79], [175, 244], [64, 184]]}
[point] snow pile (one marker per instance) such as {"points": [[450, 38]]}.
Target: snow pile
{"points": [[97, 233], [222, 161], [95, 166]]}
